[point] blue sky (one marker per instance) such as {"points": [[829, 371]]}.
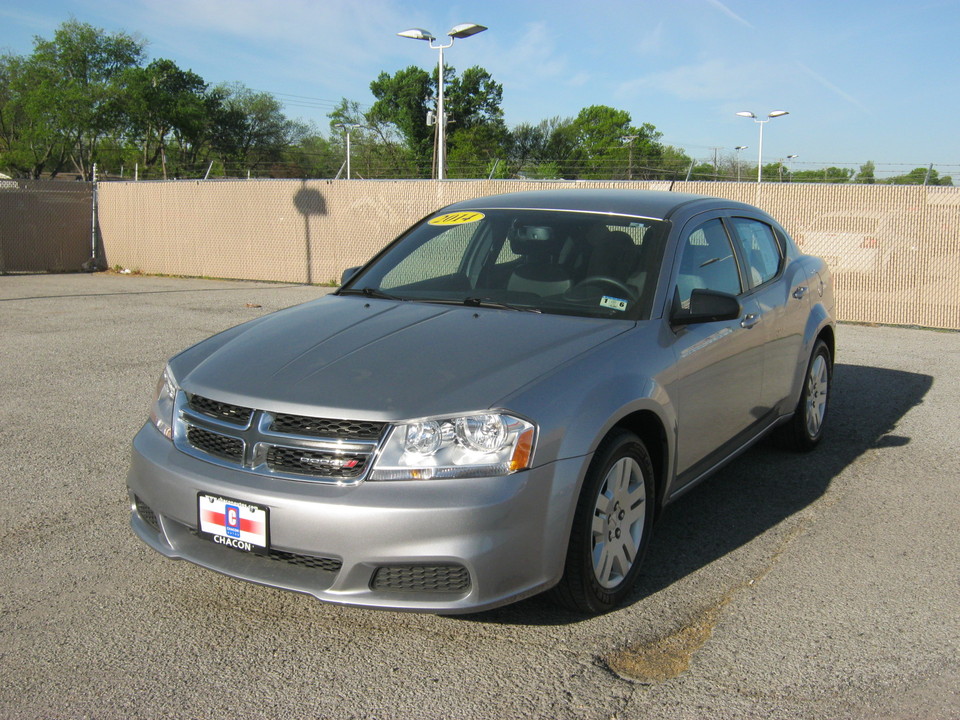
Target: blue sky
{"points": [[862, 79]]}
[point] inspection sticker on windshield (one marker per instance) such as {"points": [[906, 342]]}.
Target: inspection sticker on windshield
{"points": [[613, 303], [456, 218], [234, 523]]}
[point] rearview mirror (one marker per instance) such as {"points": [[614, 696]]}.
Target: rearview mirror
{"points": [[706, 306]]}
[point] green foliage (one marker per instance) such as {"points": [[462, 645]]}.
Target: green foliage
{"points": [[163, 103], [475, 129], [823, 175], [250, 129], [920, 176], [85, 97], [403, 100]]}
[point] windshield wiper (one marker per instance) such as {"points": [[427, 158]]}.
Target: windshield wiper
{"points": [[371, 293], [489, 302]]}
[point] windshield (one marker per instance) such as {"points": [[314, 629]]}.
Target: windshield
{"points": [[551, 261]]}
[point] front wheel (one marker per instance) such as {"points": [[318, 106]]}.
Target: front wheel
{"points": [[805, 428], [611, 527]]}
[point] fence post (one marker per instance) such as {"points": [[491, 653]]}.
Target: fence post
{"points": [[92, 263]]}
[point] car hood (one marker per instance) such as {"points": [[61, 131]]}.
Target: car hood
{"points": [[384, 360]]}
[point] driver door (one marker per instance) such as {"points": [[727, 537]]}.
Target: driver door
{"points": [[719, 364]]}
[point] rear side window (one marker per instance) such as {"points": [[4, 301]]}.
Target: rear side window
{"points": [[761, 251]]}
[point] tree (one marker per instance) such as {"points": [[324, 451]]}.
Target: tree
{"points": [[403, 100], [824, 175], [163, 102], [865, 175], [75, 86], [249, 128], [378, 149], [607, 145], [476, 133], [29, 142], [920, 176]]}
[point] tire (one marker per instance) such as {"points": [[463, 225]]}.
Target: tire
{"points": [[805, 429], [611, 527]]}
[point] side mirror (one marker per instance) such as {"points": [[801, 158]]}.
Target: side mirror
{"points": [[707, 306], [349, 273]]}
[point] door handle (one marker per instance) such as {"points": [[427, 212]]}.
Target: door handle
{"points": [[750, 320], [800, 292]]}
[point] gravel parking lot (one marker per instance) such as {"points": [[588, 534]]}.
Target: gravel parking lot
{"points": [[788, 586]]}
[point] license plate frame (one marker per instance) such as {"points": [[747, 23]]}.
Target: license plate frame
{"points": [[237, 524]]}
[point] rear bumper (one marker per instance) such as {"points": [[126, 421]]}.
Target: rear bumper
{"points": [[446, 546]]}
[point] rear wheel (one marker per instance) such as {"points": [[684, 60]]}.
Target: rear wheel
{"points": [[805, 429], [611, 526]]}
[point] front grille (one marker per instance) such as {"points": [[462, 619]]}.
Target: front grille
{"points": [[312, 562], [236, 414], [223, 446], [421, 578], [295, 447], [146, 513], [315, 463], [321, 427]]}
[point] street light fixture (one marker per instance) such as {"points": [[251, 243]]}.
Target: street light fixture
{"points": [[738, 148], [463, 30], [789, 158], [770, 116]]}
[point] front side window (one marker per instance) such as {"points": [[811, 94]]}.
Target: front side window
{"points": [[707, 262], [760, 249], [550, 261]]}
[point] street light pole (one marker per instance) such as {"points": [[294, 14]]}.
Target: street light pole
{"points": [[348, 128], [738, 148], [459, 31], [770, 116]]}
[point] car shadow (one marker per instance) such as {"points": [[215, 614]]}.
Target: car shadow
{"points": [[757, 491]]}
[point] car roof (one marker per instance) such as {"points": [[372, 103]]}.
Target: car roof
{"points": [[655, 204]]}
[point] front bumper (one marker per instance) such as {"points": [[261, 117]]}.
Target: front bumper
{"points": [[446, 546]]}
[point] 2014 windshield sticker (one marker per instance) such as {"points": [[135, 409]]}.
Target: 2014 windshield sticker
{"points": [[456, 218], [614, 303]]}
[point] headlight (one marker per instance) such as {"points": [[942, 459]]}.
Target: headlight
{"points": [[161, 414], [475, 445]]}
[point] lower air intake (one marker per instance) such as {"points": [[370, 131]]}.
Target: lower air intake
{"points": [[421, 578]]}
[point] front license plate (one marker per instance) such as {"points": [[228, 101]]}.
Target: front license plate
{"points": [[234, 523]]}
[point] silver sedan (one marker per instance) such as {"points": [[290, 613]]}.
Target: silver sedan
{"points": [[498, 404]]}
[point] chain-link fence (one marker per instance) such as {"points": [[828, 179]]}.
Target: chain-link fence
{"points": [[45, 226], [895, 250]]}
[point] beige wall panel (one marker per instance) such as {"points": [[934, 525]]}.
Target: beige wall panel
{"points": [[896, 248]]}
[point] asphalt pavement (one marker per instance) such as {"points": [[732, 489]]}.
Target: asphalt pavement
{"points": [[788, 586]]}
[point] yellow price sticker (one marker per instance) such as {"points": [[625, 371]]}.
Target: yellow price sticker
{"points": [[456, 218]]}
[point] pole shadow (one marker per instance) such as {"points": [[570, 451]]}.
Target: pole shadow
{"points": [[309, 202]]}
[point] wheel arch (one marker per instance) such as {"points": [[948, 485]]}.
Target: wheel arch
{"points": [[828, 335], [648, 426]]}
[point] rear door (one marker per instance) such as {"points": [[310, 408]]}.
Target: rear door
{"points": [[781, 292]]}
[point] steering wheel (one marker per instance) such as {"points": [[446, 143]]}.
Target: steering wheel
{"points": [[621, 287]]}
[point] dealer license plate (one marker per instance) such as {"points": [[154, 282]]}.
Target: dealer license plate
{"points": [[233, 523]]}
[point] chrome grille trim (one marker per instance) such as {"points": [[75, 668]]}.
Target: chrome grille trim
{"points": [[266, 450], [232, 414]]}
